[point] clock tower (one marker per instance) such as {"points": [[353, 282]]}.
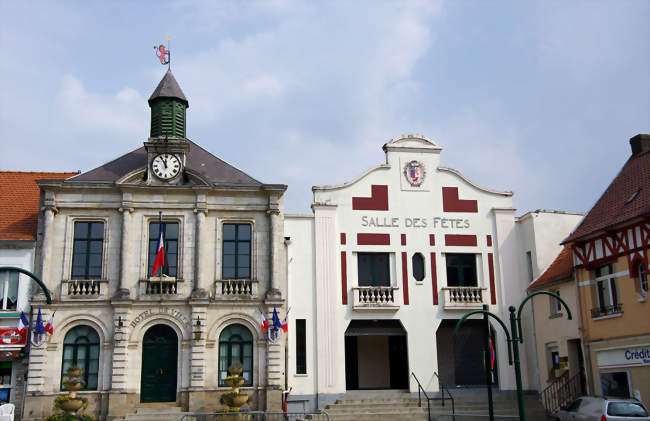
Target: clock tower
{"points": [[167, 145]]}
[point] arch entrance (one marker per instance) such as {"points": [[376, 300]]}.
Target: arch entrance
{"points": [[159, 364]]}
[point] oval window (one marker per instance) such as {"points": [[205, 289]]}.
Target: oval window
{"points": [[418, 267]]}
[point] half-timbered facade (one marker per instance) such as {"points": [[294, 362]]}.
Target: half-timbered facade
{"points": [[610, 252]]}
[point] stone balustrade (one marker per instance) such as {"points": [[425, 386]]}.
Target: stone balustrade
{"points": [[463, 298], [375, 298], [84, 288], [236, 288]]}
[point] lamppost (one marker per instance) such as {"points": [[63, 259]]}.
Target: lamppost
{"points": [[512, 343]]}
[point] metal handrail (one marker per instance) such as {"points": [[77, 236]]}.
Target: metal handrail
{"points": [[442, 393], [420, 388], [561, 391]]}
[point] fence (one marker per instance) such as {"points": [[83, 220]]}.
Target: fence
{"points": [[256, 416]]}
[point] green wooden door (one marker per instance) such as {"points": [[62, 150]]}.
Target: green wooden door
{"points": [[159, 365]]}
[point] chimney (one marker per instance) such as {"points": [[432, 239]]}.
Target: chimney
{"points": [[640, 143]]}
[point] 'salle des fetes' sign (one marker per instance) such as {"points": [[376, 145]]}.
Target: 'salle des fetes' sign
{"points": [[633, 356], [414, 222]]}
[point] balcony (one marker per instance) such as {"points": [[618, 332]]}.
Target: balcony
{"points": [[464, 298], [374, 298], [604, 311], [229, 289], [84, 289], [156, 287]]}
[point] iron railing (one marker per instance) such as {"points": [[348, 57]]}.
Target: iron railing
{"points": [[561, 392], [606, 310], [444, 389], [256, 416], [421, 389]]}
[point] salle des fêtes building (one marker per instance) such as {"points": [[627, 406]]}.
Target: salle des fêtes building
{"points": [[376, 277]]}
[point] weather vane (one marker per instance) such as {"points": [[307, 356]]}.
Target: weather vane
{"points": [[163, 53]]}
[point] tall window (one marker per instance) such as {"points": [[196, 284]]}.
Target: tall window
{"points": [[170, 238], [236, 251], [461, 270], [418, 266], [643, 277], [606, 289], [236, 345], [556, 305], [87, 250], [374, 269], [301, 347], [81, 349], [8, 290]]}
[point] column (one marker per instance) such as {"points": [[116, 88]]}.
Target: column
{"points": [[46, 251], [274, 228], [201, 261], [125, 253]]}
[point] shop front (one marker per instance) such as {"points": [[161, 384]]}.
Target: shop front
{"points": [[624, 371]]}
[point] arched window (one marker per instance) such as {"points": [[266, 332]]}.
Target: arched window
{"points": [[81, 348], [236, 345], [418, 266], [643, 277]]}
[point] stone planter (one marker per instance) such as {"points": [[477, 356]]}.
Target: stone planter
{"points": [[74, 372], [71, 406]]}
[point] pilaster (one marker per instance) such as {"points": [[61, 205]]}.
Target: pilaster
{"points": [[202, 255], [121, 331], [198, 351], [125, 250]]}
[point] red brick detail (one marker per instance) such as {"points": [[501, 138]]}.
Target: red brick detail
{"points": [[493, 292], [373, 239], [434, 279], [377, 201], [460, 240], [403, 239], [342, 238], [488, 239], [432, 240], [344, 278], [451, 202], [405, 279]]}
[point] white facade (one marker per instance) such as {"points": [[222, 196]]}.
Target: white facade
{"points": [[411, 205]]}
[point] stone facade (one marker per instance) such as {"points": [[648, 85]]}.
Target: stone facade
{"points": [[122, 304]]}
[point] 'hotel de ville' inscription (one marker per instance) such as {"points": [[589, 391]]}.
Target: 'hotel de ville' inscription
{"points": [[159, 311]]}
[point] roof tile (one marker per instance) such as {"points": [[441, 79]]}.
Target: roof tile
{"points": [[560, 269], [19, 198]]}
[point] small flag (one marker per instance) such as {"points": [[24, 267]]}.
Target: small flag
{"points": [[160, 250], [264, 324], [276, 319], [49, 327], [39, 328], [162, 53], [285, 324], [23, 324]]}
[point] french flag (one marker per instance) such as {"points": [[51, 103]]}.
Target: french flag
{"points": [[49, 327], [285, 324], [264, 324], [160, 251], [23, 324]]}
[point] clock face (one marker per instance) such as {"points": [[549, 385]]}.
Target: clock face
{"points": [[166, 166]]}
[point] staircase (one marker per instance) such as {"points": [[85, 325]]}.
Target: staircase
{"points": [[396, 405], [155, 413]]}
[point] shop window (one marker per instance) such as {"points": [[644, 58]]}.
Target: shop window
{"points": [[461, 270], [170, 239], [606, 292], [236, 263], [81, 349], [5, 382], [418, 266], [9, 289], [301, 347], [87, 250], [374, 269], [236, 345], [616, 384]]}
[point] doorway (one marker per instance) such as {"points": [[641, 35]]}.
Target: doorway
{"points": [[159, 364], [460, 358], [376, 355]]}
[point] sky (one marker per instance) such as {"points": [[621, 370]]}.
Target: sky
{"points": [[535, 97]]}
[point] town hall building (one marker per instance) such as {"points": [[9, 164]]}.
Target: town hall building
{"points": [[166, 337]]}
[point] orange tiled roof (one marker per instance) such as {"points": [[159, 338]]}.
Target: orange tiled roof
{"points": [[560, 269], [19, 197], [626, 198]]}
